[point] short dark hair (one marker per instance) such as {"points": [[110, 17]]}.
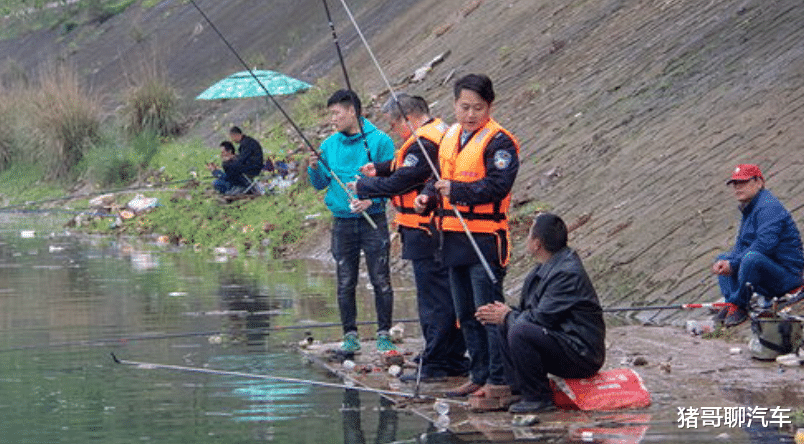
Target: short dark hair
{"points": [[235, 130], [345, 97], [479, 83], [550, 230], [228, 146], [415, 105]]}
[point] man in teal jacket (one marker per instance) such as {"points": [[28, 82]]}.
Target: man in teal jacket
{"points": [[355, 143]]}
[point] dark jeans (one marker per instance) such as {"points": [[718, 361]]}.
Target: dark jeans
{"points": [[471, 288], [530, 352], [444, 348], [349, 237], [766, 277], [227, 185]]}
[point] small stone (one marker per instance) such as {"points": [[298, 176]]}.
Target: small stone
{"points": [[640, 361]]}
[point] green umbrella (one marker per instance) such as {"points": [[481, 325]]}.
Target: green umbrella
{"points": [[243, 84]]}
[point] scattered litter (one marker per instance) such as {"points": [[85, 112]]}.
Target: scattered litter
{"points": [[422, 71], [397, 333], [735, 350], [141, 203], [103, 201], [55, 248], [790, 360], [393, 370], [177, 293], [348, 365], [27, 234], [700, 327]]}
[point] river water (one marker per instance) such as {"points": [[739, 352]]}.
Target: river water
{"points": [[67, 303]]}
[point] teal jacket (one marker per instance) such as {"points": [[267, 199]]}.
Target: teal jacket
{"points": [[345, 155]]}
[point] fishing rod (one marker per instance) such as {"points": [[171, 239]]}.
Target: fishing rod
{"points": [[282, 110], [206, 371], [436, 174], [667, 307], [346, 77], [149, 337]]}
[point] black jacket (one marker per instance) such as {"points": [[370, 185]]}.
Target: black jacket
{"points": [[559, 296], [249, 160], [416, 243]]}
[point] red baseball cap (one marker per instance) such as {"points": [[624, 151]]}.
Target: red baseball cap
{"points": [[745, 171]]}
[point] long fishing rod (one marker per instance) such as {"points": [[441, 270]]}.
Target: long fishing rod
{"points": [[282, 110], [181, 368], [150, 337], [436, 174], [667, 307], [346, 78]]}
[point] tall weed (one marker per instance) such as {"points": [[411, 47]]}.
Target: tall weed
{"points": [[151, 103], [65, 121]]}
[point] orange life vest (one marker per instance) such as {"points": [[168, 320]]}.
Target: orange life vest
{"points": [[406, 215], [468, 165]]}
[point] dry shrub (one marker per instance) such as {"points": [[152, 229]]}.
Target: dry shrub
{"points": [[151, 104], [8, 102], [65, 121]]}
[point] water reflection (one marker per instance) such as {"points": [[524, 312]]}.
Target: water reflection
{"points": [[352, 426], [249, 310]]}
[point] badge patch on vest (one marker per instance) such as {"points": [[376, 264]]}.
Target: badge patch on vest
{"points": [[501, 159], [410, 161]]}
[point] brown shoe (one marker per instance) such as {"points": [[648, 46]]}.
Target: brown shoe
{"points": [[464, 390]]}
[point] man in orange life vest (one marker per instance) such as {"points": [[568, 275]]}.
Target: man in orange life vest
{"points": [[479, 161], [401, 179]]}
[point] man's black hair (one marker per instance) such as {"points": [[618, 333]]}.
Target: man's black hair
{"points": [[235, 130], [479, 83], [345, 97], [550, 230], [228, 146]]}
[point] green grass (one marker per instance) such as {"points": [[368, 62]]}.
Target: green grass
{"points": [[25, 183]]}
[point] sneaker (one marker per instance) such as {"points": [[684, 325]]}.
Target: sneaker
{"points": [[350, 343], [384, 343], [735, 316], [721, 315]]}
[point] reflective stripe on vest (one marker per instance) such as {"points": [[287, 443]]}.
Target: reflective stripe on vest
{"points": [[468, 165], [406, 215]]}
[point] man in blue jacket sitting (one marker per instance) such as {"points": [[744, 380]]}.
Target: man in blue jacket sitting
{"points": [[767, 257]]}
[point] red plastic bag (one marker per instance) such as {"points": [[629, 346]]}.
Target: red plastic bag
{"points": [[620, 388]]}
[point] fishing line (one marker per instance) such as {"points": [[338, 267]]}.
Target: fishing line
{"points": [[437, 176], [149, 337], [180, 368], [282, 110], [346, 77]]}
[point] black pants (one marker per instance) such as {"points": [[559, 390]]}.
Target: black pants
{"points": [[530, 353], [444, 345]]}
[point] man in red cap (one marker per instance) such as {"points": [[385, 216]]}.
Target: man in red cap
{"points": [[767, 257]]}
